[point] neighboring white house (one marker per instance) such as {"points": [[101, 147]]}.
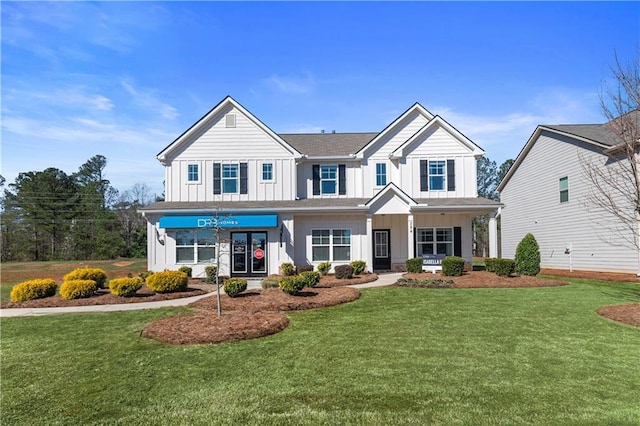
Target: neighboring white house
{"points": [[547, 193], [307, 198]]}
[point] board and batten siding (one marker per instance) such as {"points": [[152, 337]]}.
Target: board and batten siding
{"points": [[532, 204], [353, 179], [396, 136], [247, 143]]}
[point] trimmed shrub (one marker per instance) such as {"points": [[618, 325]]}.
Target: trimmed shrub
{"points": [[33, 289], [287, 269], [234, 286], [504, 267], [452, 266], [324, 268], [292, 284], [414, 266], [125, 287], [311, 278], [358, 266], [187, 270], [344, 272], [490, 264], [93, 274], [167, 282], [210, 271], [304, 268], [527, 261], [77, 289]]}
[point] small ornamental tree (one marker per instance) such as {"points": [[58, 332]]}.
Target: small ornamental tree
{"points": [[527, 261]]}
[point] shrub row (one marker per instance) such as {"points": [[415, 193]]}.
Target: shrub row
{"points": [[499, 266]]}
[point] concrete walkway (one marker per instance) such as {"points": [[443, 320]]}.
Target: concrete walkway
{"points": [[383, 280]]}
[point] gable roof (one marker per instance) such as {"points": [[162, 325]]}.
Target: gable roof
{"points": [[392, 188], [437, 120], [203, 121], [599, 135], [414, 108], [328, 144]]}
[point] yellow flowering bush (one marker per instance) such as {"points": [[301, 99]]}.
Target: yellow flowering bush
{"points": [[125, 286], [167, 281], [93, 274], [76, 289], [33, 289]]}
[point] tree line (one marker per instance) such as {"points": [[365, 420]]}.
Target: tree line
{"points": [[50, 215]]}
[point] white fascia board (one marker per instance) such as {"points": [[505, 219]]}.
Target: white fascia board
{"points": [[437, 120], [350, 157], [318, 210], [415, 107], [391, 187], [162, 156]]}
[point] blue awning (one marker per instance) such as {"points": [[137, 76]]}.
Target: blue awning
{"points": [[227, 222]]}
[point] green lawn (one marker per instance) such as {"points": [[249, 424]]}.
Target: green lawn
{"points": [[396, 356], [12, 273]]}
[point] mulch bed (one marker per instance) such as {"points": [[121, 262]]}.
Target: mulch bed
{"points": [[592, 275], [628, 313], [484, 279]]}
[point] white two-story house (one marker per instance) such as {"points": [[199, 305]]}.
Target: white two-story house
{"points": [[240, 195]]}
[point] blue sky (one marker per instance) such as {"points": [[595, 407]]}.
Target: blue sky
{"points": [[124, 79]]}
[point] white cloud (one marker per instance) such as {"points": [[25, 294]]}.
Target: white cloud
{"points": [[147, 99], [292, 85]]}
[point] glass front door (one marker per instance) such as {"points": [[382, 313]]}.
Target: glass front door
{"points": [[249, 253]]}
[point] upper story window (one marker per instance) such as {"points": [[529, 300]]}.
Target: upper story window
{"points": [[193, 173], [329, 179], [563, 185], [381, 174], [437, 175], [267, 172], [230, 178]]}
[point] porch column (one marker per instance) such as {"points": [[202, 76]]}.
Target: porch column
{"points": [[410, 248], [369, 243], [493, 235]]}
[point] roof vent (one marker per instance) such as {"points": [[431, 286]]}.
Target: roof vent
{"points": [[230, 120]]}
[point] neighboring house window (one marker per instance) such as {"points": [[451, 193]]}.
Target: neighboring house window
{"points": [[330, 245], [381, 174], [195, 246], [564, 189], [434, 241], [267, 172], [230, 178], [193, 173], [329, 179], [437, 175]]}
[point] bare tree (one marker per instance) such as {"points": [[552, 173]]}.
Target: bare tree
{"points": [[615, 178]]}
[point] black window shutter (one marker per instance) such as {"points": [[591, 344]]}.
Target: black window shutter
{"points": [[457, 241], [342, 179], [415, 244], [451, 175], [424, 178], [217, 184], [243, 178], [316, 179]]}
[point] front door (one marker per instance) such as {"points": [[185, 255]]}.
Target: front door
{"points": [[248, 254], [381, 250]]}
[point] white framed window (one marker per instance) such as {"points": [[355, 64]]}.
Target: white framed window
{"points": [[437, 175], [195, 246], [268, 172], [434, 241], [193, 173], [230, 178], [328, 179], [563, 186], [330, 245], [381, 174]]}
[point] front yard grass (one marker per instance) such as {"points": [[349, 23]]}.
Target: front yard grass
{"points": [[395, 356]]}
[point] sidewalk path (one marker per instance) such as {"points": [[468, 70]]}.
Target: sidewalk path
{"points": [[383, 280]]}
